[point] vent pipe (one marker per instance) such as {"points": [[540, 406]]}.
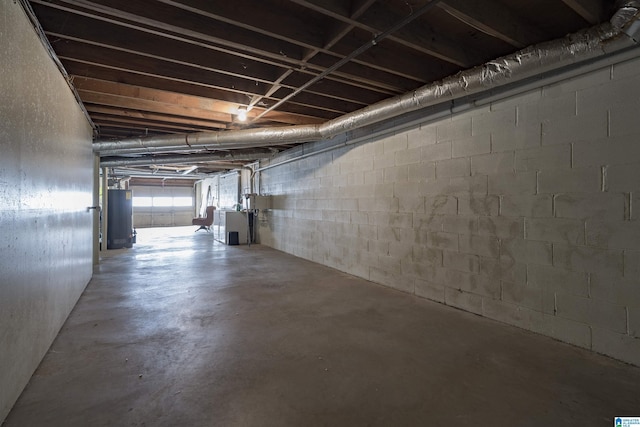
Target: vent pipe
{"points": [[621, 32]]}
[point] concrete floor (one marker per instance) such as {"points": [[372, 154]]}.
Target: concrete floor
{"points": [[184, 331]]}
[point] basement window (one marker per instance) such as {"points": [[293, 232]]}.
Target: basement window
{"points": [[183, 201], [162, 202], [142, 202]]}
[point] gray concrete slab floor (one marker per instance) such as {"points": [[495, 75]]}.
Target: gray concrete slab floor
{"points": [[184, 331]]}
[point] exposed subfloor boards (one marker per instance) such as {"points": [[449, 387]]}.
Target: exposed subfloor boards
{"points": [[182, 330]]}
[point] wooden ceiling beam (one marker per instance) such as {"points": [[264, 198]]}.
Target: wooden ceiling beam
{"points": [[358, 7], [132, 61], [261, 17], [401, 57], [254, 71], [78, 68], [262, 20], [151, 106], [324, 87], [114, 133], [142, 130], [82, 69], [148, 17], [130, 91], [379, 18], [311, 99], [494, 20], [334, 36], [283, 117], [591, 11], [100, 33], [225, 42], [137, 61], [142, 116], [398, 82], [106, 119]]}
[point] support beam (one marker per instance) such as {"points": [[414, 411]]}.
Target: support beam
{"points": [[494, 20], [152, 106], [591, 11], [296, 109], [428, 42], [139, 117], [227, 40], [221, 109]]}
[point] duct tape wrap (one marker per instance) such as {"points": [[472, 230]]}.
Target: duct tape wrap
{"points": [[625, 13]]}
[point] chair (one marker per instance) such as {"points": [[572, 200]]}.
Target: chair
{"points": [[205, 223]]}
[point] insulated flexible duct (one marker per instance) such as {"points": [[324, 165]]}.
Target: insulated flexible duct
{"points": [[115, 162], [621, 32]]}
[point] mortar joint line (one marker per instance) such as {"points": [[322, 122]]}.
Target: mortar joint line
{"points": [[603, 178], [626, 309], [571, 164]]}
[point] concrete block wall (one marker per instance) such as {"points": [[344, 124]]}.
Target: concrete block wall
{"points": [[523, 210], [228, 190], [221, 191]]}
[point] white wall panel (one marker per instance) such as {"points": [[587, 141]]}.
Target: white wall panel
{"points": [[46, 175]]}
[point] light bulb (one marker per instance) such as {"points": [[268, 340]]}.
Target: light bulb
{"points": [[242, 114]]}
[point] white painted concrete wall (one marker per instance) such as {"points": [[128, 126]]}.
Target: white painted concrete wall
{"points": [[525, 210], [222, 191], [206, 195], [46, 184], [228, 190]]}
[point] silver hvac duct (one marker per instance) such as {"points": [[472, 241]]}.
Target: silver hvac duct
{"points": [[245, 138], [621, 32], [182, 158], [161, 149]]}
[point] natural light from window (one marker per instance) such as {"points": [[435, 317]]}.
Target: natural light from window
{"points": [[162, 202]]}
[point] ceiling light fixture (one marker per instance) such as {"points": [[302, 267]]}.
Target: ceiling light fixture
{"points": [[242, 114]]}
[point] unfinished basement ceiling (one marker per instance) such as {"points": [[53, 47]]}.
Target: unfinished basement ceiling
{"points": [[157, 67]]}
